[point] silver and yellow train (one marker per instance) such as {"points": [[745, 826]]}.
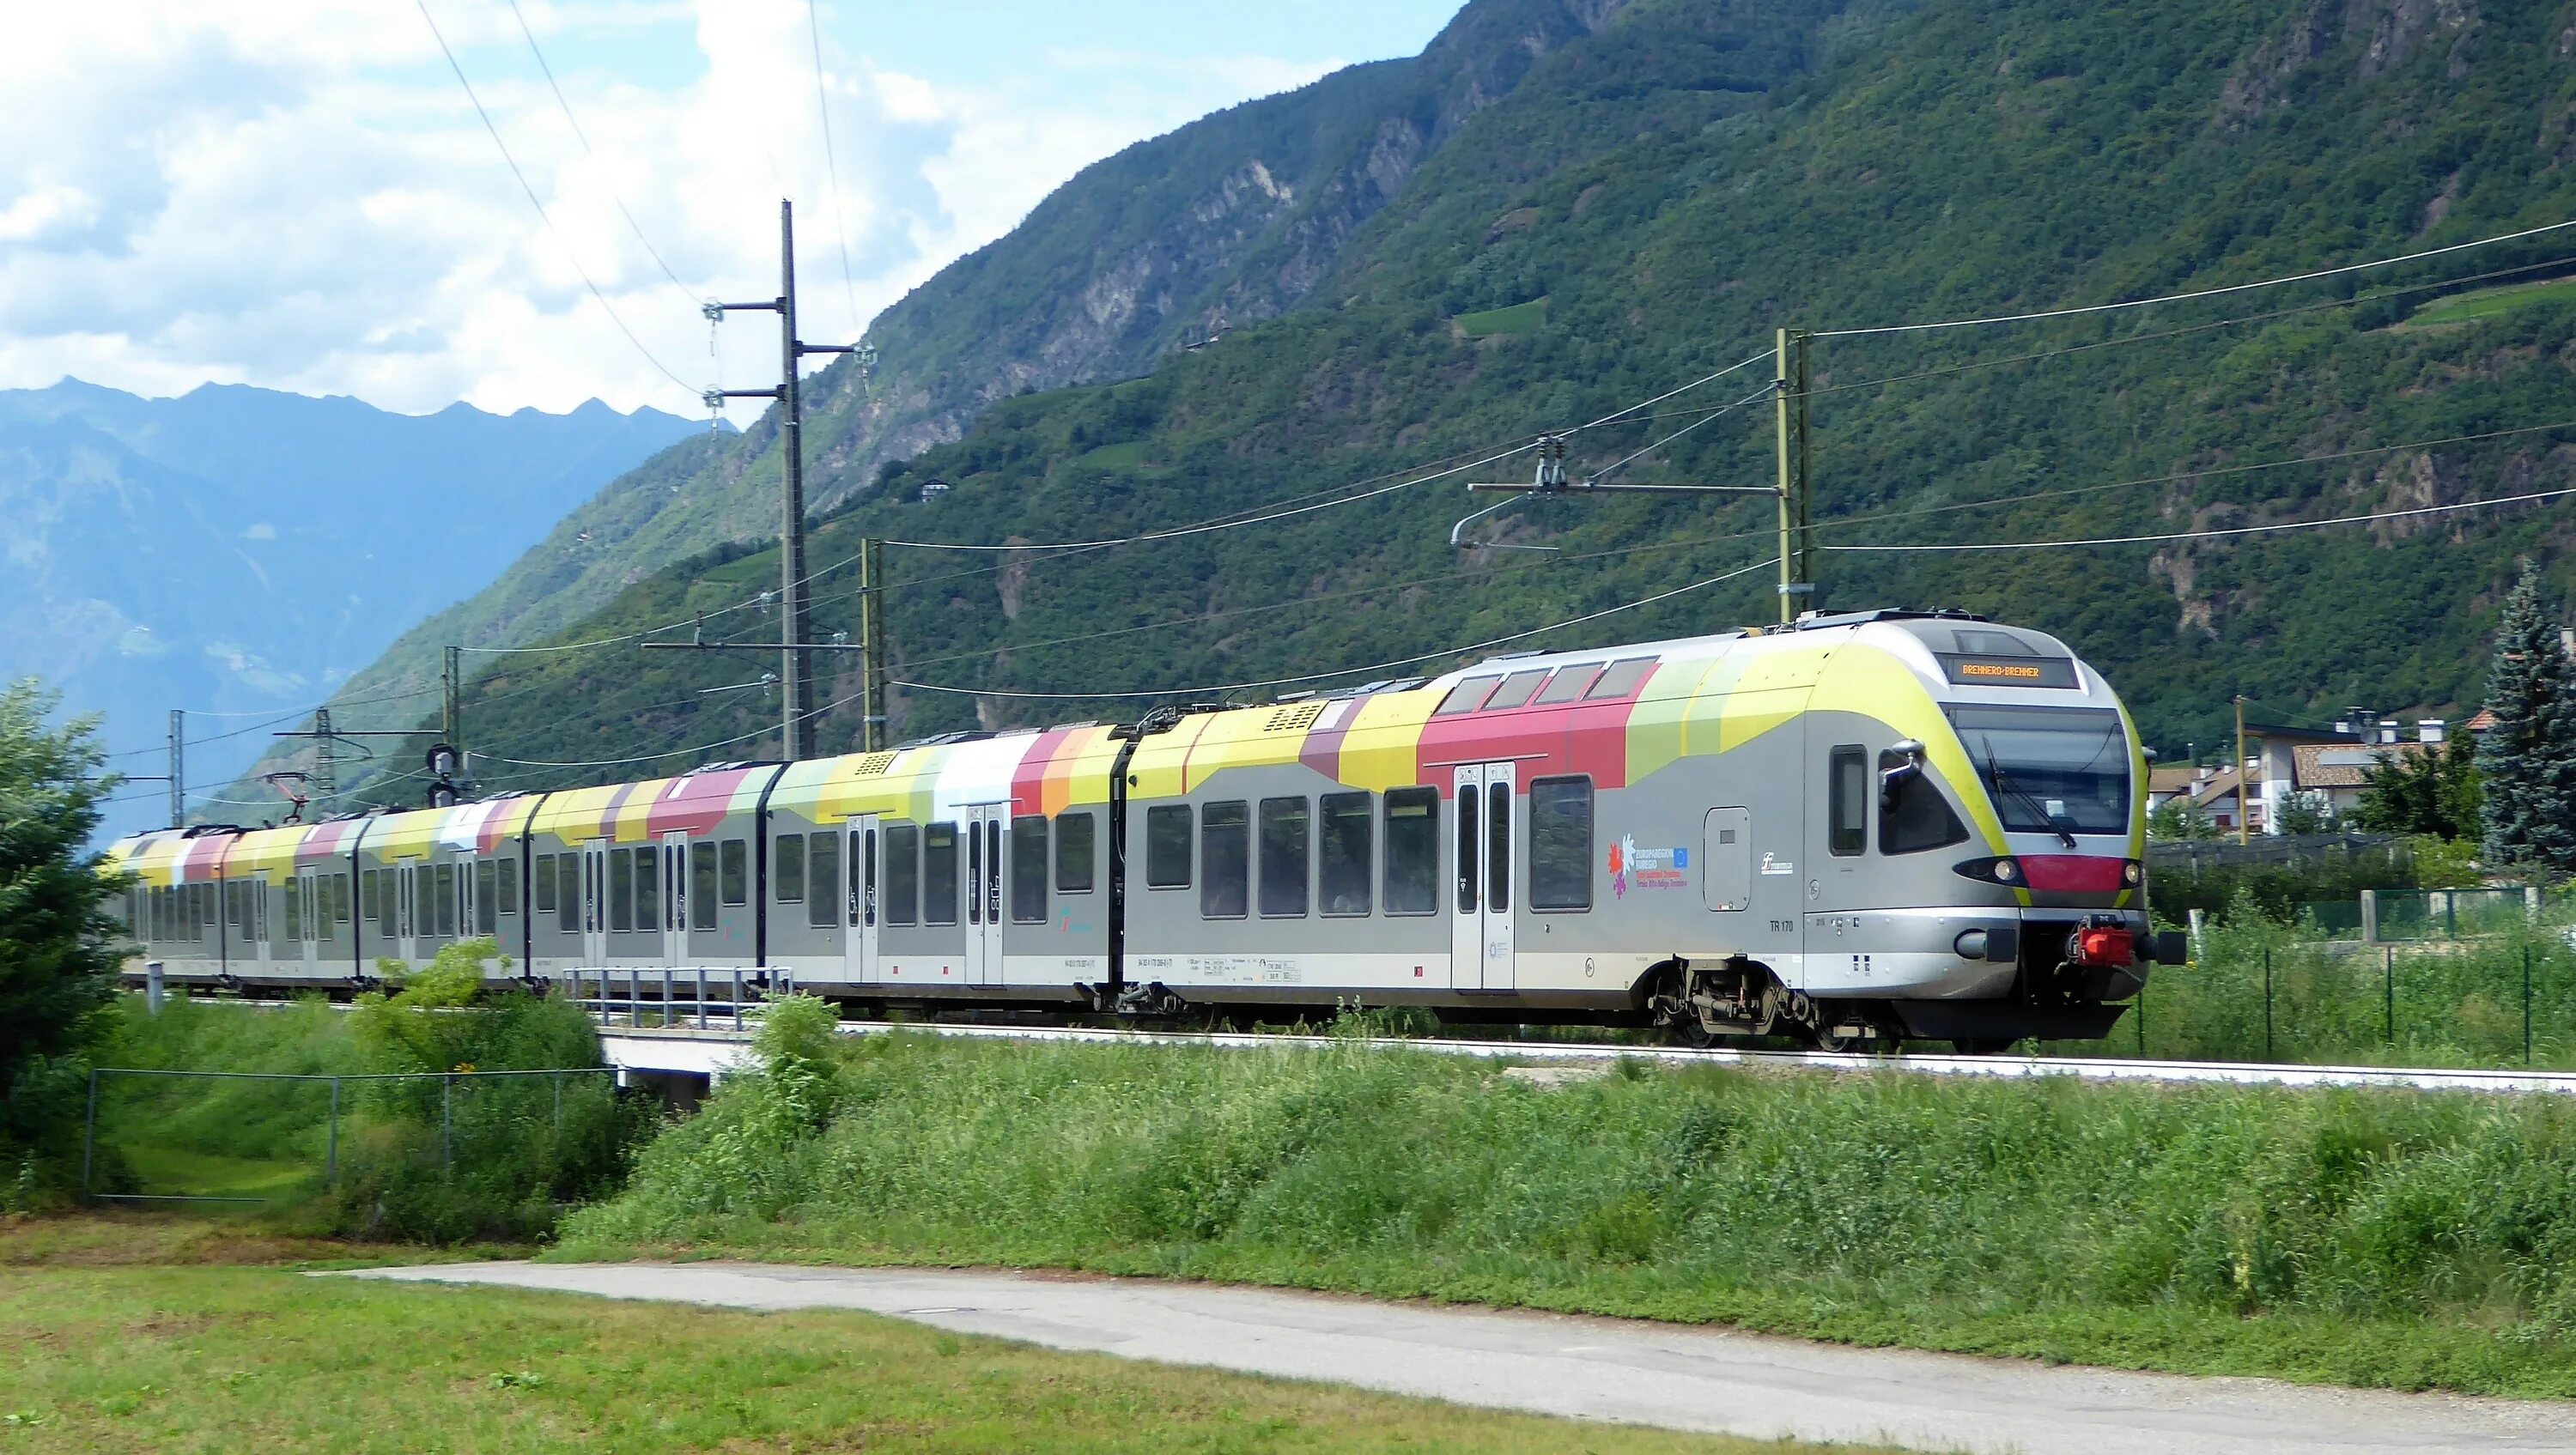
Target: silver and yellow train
{"points": [[1879, 824]]}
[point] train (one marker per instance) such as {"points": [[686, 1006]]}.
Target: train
{"points": [[1863, 828]]}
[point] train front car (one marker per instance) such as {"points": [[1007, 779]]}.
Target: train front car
{"points": [[1982, 869]]}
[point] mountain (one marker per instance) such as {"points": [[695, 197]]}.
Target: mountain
{"points": [[241, 551], [1562, 209]]}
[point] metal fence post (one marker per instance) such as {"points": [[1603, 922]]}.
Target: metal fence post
{"points": [[2526, 1005], [89, 1134], [666, 997], [557, 1078], [447, 1121], [2369, 916], [702, 997], [2388, 957], [737, 997], [2267, 1003], [331, 1148]]}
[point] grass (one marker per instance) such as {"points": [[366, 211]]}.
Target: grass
{"points": [[2367, 1238], [1518, 318], [2487, 303], [114, 1354]]}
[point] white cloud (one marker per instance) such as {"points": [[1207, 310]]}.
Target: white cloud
{"points": [[296, 193]]}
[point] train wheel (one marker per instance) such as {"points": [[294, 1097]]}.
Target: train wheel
{"points": [[1827, 1038], [1688, 1030]]}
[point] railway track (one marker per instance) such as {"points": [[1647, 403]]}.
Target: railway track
{"points": [[715, 1052]]}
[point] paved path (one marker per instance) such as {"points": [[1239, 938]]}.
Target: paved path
{"points": [[1605, 1369]]}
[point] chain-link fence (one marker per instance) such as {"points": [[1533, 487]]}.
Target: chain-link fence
{"points": [[254, 1137]]}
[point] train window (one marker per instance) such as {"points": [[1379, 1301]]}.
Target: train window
{"points": [[1568, 684], [1467, 850], [787, 868], [863, 880], [646, 865], [1287, 833], [1073, 853], [1516, 689], [1498, 846], [366, 898], [1343, 883], [543, 872], [506, 879], [487, 897], [1225, 853], [1560, 850], [1619, 679], [340, 898], [621, 890], [1029, 870], [294, 909], [902, 874], [702, 886], [733, 879], [1913, 816], [1167, 846], [939, 874], [823, 853], [1847, 778], [447, 901], [568, 874], [388, 902], [1467, 696]]}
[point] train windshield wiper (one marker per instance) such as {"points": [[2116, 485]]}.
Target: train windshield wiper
{"points": [[1995, 772]]}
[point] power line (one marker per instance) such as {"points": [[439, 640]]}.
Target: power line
{"points": [[533, 201], [1206, 527], [2195, 293], [584, 138], [673, 753], [2216, 532], [1670, 393], [1220, 688], [832, 168]]}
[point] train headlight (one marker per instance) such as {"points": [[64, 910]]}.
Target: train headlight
{"points": [[2005, 870], [2133, 873]]}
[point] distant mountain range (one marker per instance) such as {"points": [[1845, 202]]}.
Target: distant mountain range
{"points": [[241, 551]]}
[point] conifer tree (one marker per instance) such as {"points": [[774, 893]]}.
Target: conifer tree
{"points": [[2527, 762]]}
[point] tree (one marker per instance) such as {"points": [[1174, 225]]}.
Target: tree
{"points": [[2527, 762], [2429, 792], [2305, 813], [2178, 818], [58, 958]]}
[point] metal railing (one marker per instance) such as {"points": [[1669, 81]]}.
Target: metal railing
{"points": [[667, 996]]}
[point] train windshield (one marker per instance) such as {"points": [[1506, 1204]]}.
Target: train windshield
{"points": [[2050, 769]]}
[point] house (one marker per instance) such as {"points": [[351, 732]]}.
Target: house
{"points": [[2282, 759]]}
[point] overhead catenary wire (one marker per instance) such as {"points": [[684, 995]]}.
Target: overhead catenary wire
{"points": [[2214, 532], [584, 138], [832, 168], [1204, 528], [534, 201], [2197, 293], [1219, 689]]}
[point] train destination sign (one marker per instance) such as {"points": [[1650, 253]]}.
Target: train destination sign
{"points": [[1997, 671]]}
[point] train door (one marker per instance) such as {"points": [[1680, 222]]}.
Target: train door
{"points": [[304, 908], [859, 893], [1480, 938], [594, 903], [1841, 807], [981, 825]]}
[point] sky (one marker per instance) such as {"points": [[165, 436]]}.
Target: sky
{"points": [[299, 194]]}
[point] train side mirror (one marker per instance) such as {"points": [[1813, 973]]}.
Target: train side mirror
{"points": [[1898, 764]]}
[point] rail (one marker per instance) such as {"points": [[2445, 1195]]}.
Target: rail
{"points": [[717, 1052]]}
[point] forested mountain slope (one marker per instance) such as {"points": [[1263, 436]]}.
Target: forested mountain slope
{"points": [[1654, 195]]}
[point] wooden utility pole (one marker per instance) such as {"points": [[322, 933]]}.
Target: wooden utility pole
{"points": [[795, 676], [2244, 803], [1790, 414]]}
